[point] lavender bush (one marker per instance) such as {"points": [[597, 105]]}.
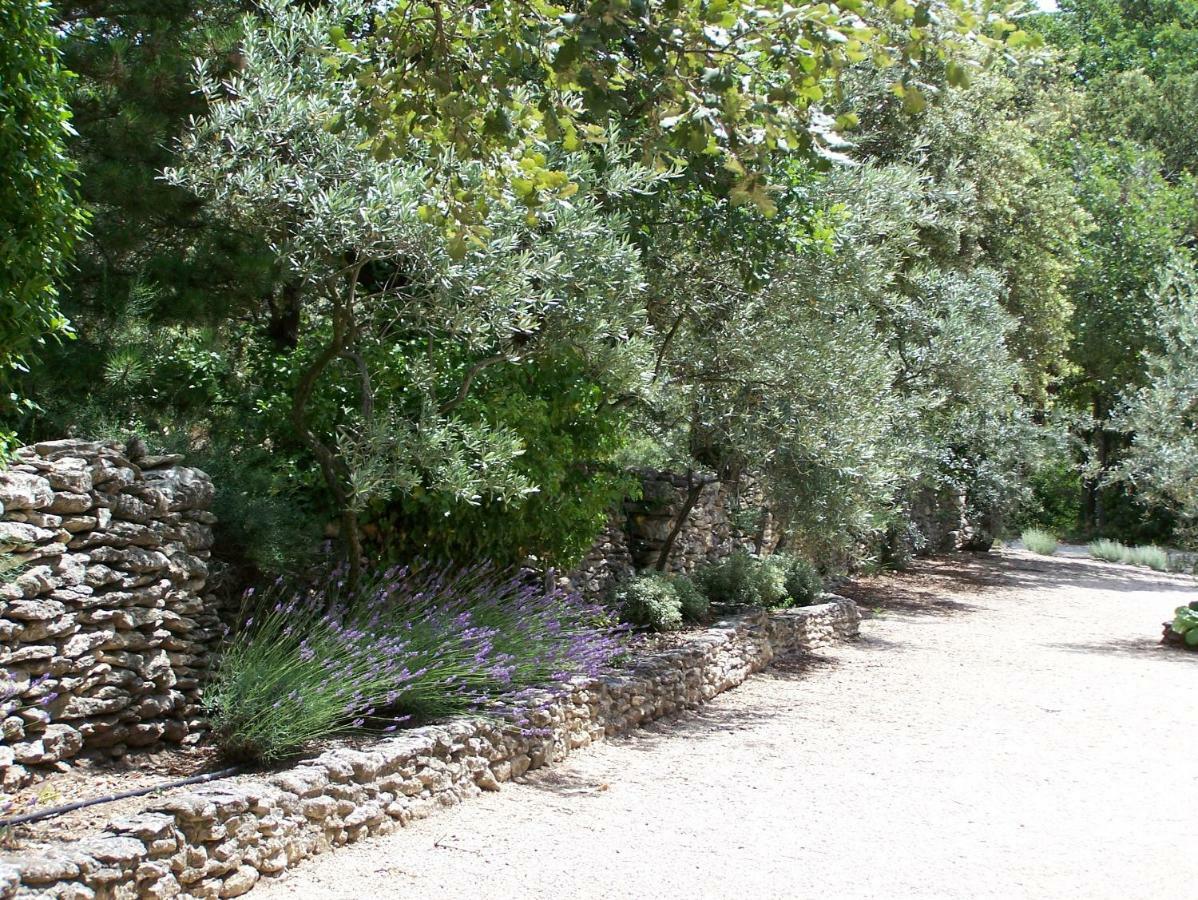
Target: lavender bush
{"points": [[408, 642]]}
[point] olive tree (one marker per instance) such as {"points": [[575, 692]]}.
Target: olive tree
{"points": [[396, 323]]}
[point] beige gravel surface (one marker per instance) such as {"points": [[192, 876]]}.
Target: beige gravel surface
{"points": [[1007, 726]]}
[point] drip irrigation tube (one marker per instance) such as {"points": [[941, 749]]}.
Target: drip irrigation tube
{"points": [[53, 811]]}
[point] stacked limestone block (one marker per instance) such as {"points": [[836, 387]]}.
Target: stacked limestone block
{"points": [[220, 839], [607, 562], [633, 538], [709, 532], [103, 626]]}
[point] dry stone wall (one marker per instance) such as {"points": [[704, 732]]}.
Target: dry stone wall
{"points": [[635, 536], [104, 629], [219, 840]]}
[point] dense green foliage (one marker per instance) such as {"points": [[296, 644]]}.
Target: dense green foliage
{"points": [[39, 217], [664, 602], [776, 582], [1161, 462], [1135, 163], [871, 257], [1185, 623]]}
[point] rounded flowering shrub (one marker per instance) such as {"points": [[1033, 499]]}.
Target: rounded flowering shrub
{"points": [[407, 643]]}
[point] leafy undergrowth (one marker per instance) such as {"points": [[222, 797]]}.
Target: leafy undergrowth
{"points": [[1185, 626], [664, 602]]}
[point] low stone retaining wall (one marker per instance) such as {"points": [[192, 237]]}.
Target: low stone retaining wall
{"points": [[103, 627], [218, 840]]}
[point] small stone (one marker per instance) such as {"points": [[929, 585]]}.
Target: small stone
{"points": [[13, 729], [67, 447], [61, 741], [159, 461], [79, 644], [183, 487], [188, 807], [239, 882], [118, 851], [20, 536], [87, 707], [26, 655], [35, 581], [19, 490], [112, 474], [39, 631], [10, 880], [31, 517], [46, 867], [317, 808], [165, 887], [70, 473], [14, 778], [70, 502]]}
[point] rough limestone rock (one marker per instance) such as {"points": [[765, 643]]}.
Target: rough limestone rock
{"points": [[113, 547], [636, 535]]}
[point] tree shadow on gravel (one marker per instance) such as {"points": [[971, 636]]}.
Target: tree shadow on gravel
{"points": [[695, 724], [1049, 573], [1130, 647], [928, 588]]}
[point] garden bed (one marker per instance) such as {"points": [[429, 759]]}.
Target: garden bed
{"points": [[218, 839]]}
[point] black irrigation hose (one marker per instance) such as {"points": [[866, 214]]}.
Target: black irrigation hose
{"points": [[26, 818]]}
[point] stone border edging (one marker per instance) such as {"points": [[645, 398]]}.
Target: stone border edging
{"points": [[219, 839]]}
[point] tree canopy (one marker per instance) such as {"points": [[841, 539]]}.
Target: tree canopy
{"points": [[437, 278]]}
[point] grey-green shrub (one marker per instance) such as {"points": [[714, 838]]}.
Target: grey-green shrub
{"points": [[1153, 557], [649, 601], [1108, 550], [1039, 541], [1112, 551]]}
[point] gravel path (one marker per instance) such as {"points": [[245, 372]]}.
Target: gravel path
{"points": [[1006, 727]]}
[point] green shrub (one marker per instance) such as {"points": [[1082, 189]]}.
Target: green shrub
{"points": [[767, 579], [742, 580], [775, 582], [695, 605], [803, 581], [1107, 550], [39, 215], [1185, 623], [1039, 541], [1152, 557], [553, 407], [649, 601]]}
